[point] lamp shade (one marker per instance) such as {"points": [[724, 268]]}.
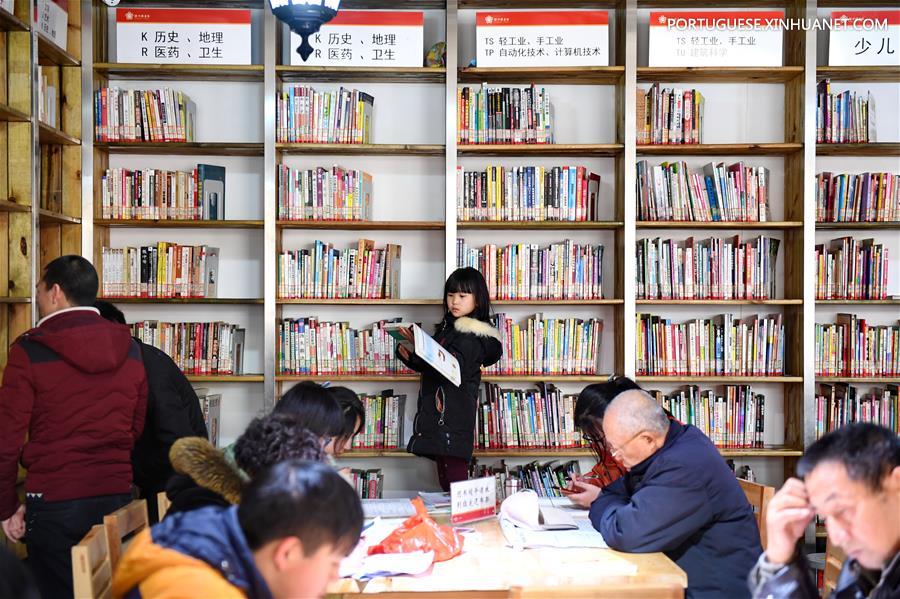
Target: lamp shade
{"points": [[305, 17]]}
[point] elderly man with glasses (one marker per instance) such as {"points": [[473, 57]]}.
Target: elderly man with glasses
{"points": [[678, 496]]}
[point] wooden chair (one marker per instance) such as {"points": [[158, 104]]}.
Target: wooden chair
{"points": [[834, 561], [759, 497], [162, 504], [636, 590], [91, 566], [122, 525]]}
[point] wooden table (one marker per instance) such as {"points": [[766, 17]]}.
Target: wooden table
{"points": [[489, 565]]}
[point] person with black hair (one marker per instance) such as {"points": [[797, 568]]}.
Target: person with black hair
{"points": [[205, 477], [317, 410], [444, 425], [851, 476], [295, 524], [72, 406], [354, 418], [173, 412]]}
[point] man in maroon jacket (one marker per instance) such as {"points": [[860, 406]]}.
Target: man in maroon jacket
{"points": [[72, 404]]}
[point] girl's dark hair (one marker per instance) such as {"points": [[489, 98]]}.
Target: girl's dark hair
{"points": [[352, 410], [469, 280], [275, 438], [315, 408], [591, 406]]}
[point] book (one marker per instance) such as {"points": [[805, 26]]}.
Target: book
{"points": [[305, 115], [210, 406], [544, 479], [547, 345], [843, 117], [522, 509], [324, 271], [324, 194], [163, 270], [384, 414], [669, 116], [199, 348], [134, 115], [838, 404], [435, 355], [504, 115], [732, 417], [538, 418], [853, 347], [211, 188], [853, 269], [860, 197]]}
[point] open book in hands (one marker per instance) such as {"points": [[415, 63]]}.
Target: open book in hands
{"points": [[424, 346]]}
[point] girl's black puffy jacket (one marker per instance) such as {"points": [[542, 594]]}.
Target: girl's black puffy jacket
{"points": [[445, 415]]}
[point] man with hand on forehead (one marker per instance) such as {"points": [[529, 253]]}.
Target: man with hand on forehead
{"points": [[850, 476]]}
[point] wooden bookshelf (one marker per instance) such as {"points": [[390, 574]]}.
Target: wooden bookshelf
{"points": [[739, 149], [361, 149], [845, 302], [363, 225], [545, 378], [867, 149], [10, 22], [52, 135], [179, 72], [558, 302], [165, 223], [48, 216], [349, 378], [302, 74], [540, 149], [11, 115], [557, 75], [870, 74], [225, 378], [190, 148], [7, 206], [730, 380], [52, 55], [202, 301], [15, 300], [878, 380], [763, 452], [736, 226], [718, 74], [540, 225], [358, 302], [552, 453], [716, 302], [853, 225]]}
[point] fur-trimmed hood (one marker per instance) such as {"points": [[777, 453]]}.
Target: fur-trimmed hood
{"points": [[207, 466], [466, 324]]}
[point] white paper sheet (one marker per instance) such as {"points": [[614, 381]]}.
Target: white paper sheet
{"points": [[585, 536]]}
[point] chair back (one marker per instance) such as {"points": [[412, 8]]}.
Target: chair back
{"points": [[122, 525], [759, 497], [91, 566]]}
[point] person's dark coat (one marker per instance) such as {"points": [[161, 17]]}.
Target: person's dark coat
{"points": [[445, 417], [204, 477], [854, 582], [685, 502], [75, 386], [173, 412]]}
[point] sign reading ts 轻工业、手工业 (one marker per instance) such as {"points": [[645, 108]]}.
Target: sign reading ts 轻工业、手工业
{"points": [[183, 36], [542, 38]]}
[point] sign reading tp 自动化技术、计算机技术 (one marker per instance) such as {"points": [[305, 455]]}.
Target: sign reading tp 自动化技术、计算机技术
{"points": [[183, 36], [366, 38], [864, 38], [559, 38], [716, 38]]}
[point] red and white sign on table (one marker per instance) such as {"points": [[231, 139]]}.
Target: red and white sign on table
{"points": [[53, 21], [864, 38], [542, 38], [716, 39], [182, 36], [367, 38], [474, 499]]}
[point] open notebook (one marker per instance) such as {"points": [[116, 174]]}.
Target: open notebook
{"points": [[524, 510]]}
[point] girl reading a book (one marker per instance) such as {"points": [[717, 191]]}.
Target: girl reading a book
{"points": [[443, 429]]}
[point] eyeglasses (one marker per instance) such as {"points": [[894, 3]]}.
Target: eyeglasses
{"points": [[614, 451]]}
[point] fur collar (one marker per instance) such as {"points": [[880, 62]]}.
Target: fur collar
{"points": [[466, 324], [207, 466]]}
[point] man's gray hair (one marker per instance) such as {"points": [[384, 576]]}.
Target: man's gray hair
{"points": [[636, 411]]}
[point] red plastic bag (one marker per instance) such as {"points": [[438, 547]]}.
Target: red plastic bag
{"points": [[422, 533]]}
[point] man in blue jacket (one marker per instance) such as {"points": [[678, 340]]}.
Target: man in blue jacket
{"points": [[678, 497]]}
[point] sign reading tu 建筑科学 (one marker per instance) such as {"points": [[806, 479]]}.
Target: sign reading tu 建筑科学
{"points": [[182, 36], [542, 38], [716, 38], [864, 38]]}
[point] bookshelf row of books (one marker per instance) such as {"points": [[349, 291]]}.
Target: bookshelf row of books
{"points": [[839, 404], [669, 191], [526, 418], [564, 270], [150, 115], [544, 479], [384, 421], [843, 117], [369, 484], [853, 347], [198, 194], [669, 116], [734, 417], [713, 268], [325, 271], [210, 407], [308, 346], [857, 197], [203, 348], [324, 194], [527, 193], [548, 346], [852, 269], [306, 115], [503, 115], [163, 270], [720, 346]]}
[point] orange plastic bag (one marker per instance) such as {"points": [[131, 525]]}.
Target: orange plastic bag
{"points": [[422, 533]]}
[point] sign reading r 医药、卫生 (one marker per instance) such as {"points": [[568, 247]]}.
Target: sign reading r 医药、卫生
{"points": [[864, 38], [716, 39], [542, 38], [183, 36], [366, 38]]}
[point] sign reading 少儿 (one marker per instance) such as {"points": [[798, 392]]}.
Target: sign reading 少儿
{"points": [[864, 37], [366, 38], [542, 38], [473, 499], [182, 36], [53, 21], [716, 39]]}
